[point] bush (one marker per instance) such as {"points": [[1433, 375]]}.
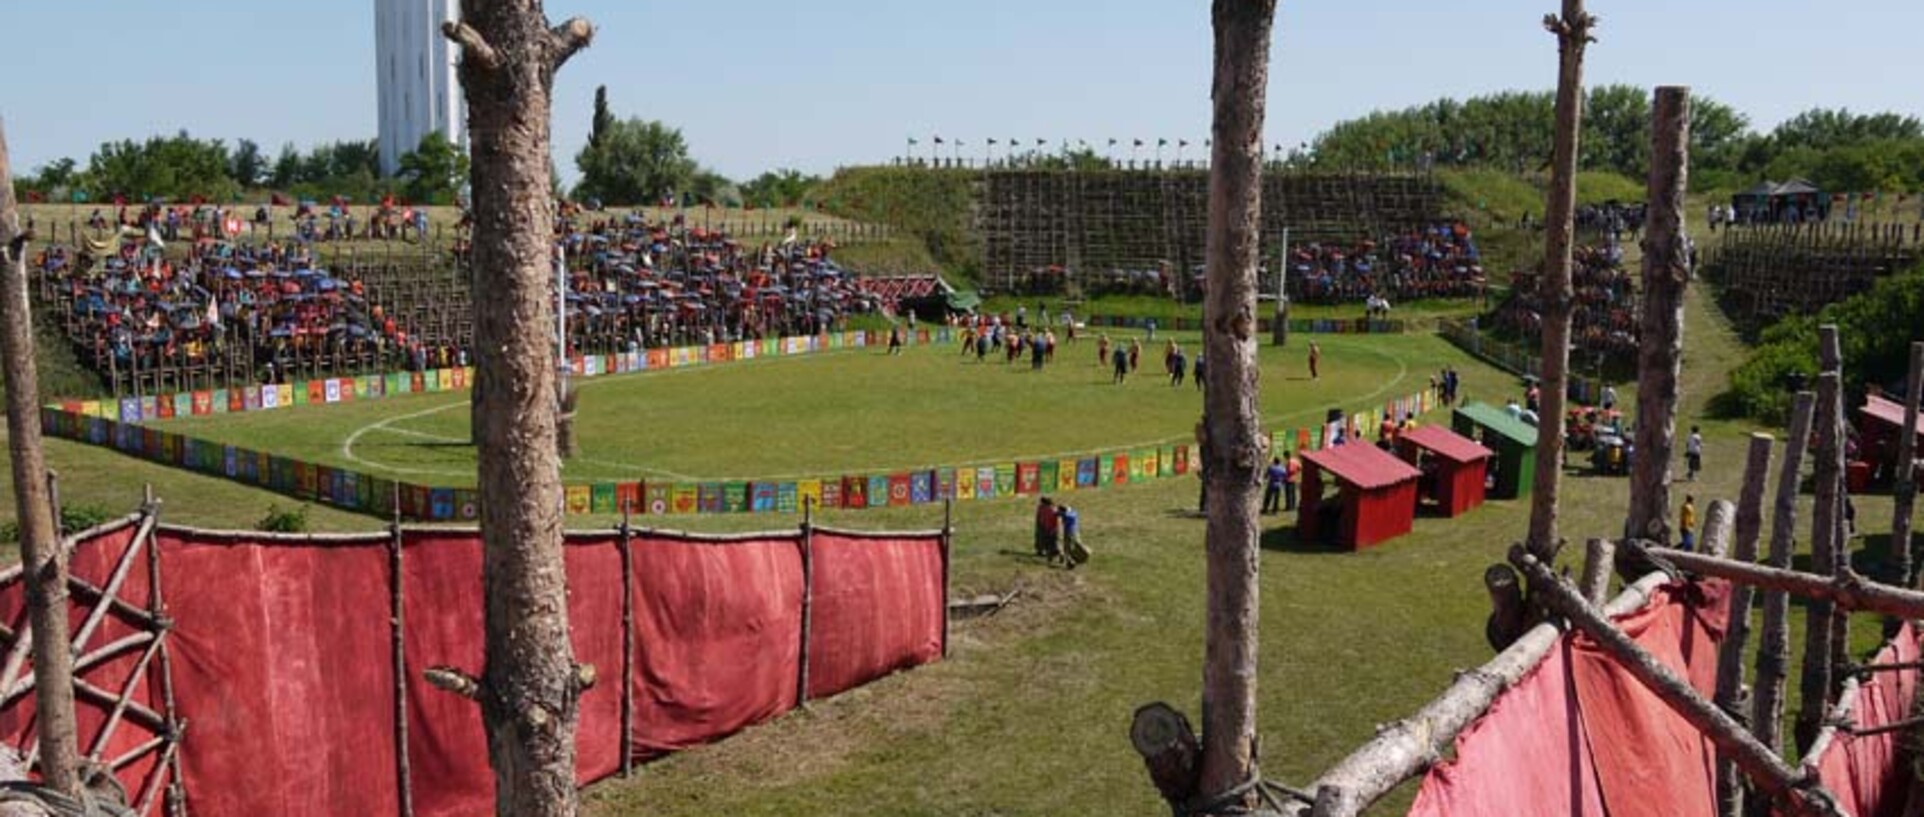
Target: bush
{"points": [[1875, 330], [73, 518], [278, 520]]}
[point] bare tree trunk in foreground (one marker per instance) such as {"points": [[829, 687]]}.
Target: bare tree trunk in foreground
{"points": [[1573, 35], [1730, 655], [1234, 447], [1904, 488], [1815, 681], [530, 688], [1666, 269], [40, 551]]}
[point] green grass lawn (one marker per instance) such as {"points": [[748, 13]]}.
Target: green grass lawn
{"points": [[850, 412]]}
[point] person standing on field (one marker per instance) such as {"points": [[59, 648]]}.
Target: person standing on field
{"points": [[1121, 358], [1694, 452], [1315, 358], [1273, 480], [1687, 523], [1046, 542]]}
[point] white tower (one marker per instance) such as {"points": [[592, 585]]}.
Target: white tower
{"points": [[414, 70]]}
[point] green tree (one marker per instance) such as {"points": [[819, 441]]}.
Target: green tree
{"points": [[604, 118], [636, 161], [786, 187], [174, 167], [434, 170], [1825, 128], [247, 163], [287, 168]]}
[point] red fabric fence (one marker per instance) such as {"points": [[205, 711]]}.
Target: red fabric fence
{"points": [[280, 654], [1617, 750]]}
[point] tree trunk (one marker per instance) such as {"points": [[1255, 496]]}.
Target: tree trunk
{"points": [[1904, 489], [1666, 269], [40, 551], [1832, 355], [1573, 35], [1730, 654], [1234, 447], [1815, 681], [530, 687], [1773, 648]]}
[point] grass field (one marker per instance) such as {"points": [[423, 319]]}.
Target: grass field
{"points": [[847, 412], [1030, 714]]}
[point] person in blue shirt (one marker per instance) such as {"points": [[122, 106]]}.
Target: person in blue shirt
{"points": [[1199, 371], [1273, 480], [1074, 552]]}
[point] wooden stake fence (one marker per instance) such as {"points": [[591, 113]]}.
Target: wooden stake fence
{"points": [[1773, 649], [1730, 655], [397, 636]]}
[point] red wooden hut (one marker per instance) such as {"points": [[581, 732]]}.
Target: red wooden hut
{"points": [[1452, 466], [1376, 498], [1879, 425]]}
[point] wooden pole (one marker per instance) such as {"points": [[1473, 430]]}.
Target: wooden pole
{"points": [[948, 537], [1768, 772], [1837, 720], [1730, 654], [1234, 449], [1666, 269], [1405, 748], [627, 640], [40, 551], [1598, 557], [1850, 591], [808, 598], [1831, 354], [397, 645], [1773, 649], [1904, 488], [1817, 682], [1572, 31], [157, 607]]}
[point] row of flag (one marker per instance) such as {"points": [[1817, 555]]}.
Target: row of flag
{"points": [[353, 490]]}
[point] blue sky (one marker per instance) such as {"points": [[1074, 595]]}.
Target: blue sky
{"points": [[756, 85]]}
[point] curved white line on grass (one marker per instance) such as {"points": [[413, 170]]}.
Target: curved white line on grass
{"points": [[1402, 372], [347, 446]]}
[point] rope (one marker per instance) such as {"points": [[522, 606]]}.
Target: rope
{"points": [[55, 804], [1231, 801]]}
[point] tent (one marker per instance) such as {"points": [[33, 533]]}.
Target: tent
{"points": [[1773, 201], [1376, 501], [1453, 467], [1880, 421], [1514, 441]]}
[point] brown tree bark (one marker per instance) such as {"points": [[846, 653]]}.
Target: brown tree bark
{"points": [[40, 551], [1826, 516], [530, 687], [1773, 647], [1234, 447], [1572, 30], [1666, 270], [1730, 654], [1904, 489]]}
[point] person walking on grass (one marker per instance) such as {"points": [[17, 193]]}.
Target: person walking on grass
{"points": [[1687, 523], [1178, 363], [1693, 452], [1274, 478], [1102, 348], [1200, 370], [1315, 359], [1135, 353], [1036, 352], [1121, 359]]}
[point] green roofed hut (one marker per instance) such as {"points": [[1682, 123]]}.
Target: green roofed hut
{"points": [[1514, 441]]}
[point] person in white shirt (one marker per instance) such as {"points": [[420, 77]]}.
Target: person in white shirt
{"points": [[1694, 452]]}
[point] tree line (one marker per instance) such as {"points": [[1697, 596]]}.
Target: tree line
{"points": [[640, 161], [183, 167], [1835, 149]]}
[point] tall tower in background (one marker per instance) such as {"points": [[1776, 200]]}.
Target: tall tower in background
{"points": [[418, 90]]}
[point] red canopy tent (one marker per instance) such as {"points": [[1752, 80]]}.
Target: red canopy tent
{"points": [[1456, 479], [1377, 502], [1880, 423]]}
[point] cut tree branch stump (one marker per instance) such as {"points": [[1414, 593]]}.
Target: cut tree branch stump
{"points": [[1169, 748], [455, 681], [1506, 622], [473, 48]]}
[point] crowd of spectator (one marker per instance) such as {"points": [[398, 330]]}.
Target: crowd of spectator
{"points": [[177, 294], [1603, 314], [1440, 261]]}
